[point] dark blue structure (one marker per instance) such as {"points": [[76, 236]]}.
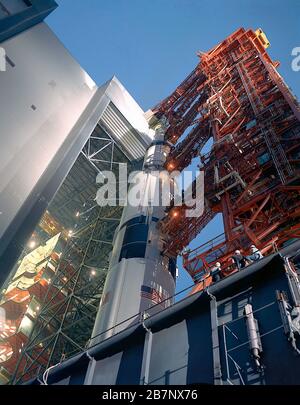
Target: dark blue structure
{"points": [[17, 16], [206, 338]]}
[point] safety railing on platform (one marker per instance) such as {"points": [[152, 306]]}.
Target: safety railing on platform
{"points": [[199, 262], [202, 284], [37, 371]]}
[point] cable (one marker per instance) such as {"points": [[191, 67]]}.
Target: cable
{"points": [[46, 373]]}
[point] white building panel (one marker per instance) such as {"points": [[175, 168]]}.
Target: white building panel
{"points": [[43, 93]]}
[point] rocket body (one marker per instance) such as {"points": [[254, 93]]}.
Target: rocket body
{"points": [[141, 279]]}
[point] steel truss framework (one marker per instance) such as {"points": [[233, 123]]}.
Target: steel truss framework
{"points": [[70, 303], [236, 97]]}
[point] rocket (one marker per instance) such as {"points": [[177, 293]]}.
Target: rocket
{"points": [[141, 278]]}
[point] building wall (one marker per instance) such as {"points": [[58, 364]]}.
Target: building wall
{"points": [[12, 6], [18, 15], [40, 101]]}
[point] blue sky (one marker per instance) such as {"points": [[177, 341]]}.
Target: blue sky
{"points": [[151, 45]]}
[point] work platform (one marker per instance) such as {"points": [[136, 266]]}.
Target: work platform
{"points": [[203, 339]]}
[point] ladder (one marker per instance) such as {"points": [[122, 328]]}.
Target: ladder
{"points": [[277, 153]]}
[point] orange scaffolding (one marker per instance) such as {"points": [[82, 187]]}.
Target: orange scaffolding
{"points": [[236, 97]]}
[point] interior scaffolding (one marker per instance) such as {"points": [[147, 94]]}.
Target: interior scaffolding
{"points": [[69, 301]]}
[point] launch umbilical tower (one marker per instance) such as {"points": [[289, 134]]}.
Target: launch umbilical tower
{"points": [[236, 97]]}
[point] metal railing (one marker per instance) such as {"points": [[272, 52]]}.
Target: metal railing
{"points": [[135, 320]]}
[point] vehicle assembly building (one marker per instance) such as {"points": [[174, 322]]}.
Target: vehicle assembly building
{"points": [[88, 290]]}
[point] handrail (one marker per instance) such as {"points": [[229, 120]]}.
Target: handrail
{"points": [[201, 249]]}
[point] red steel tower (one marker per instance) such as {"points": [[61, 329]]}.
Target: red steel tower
{"points": [[236, 97]]}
